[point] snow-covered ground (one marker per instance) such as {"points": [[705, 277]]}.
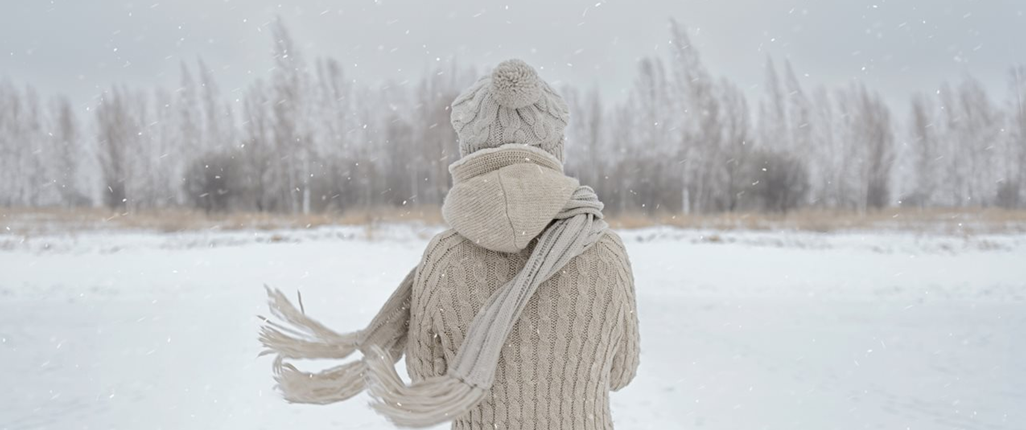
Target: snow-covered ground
{"points": [[740, 330]]}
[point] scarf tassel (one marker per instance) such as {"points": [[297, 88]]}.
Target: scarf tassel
{"points": [[424, 403], [300, 337], [328, 386]]}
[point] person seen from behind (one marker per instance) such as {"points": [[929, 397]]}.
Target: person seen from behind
{"points": [[521, 315]]}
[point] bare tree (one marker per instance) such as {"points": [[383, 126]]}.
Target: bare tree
{"points": [[925, 152], [785, 144], [586, 135], [737, 144], [68, 153], [293, 138], [115, 128], [868, 148], [435, 139], [773, 121], [979, 138], [875, 118], [699, 127], [830, 187], [216, 116], [257, 151], [37, 188], [969, 128], [1010, 191], [10, 165]]}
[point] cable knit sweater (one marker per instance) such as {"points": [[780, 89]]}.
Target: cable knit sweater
{"points": [[576, 341]]}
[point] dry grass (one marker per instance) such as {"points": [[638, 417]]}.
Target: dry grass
{"points": [[36, 219], [942, 221], [947, 221]]}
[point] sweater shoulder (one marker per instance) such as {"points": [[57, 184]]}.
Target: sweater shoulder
{"points": [[436, 257], [610, 248], [611, 245], [441, 246]]}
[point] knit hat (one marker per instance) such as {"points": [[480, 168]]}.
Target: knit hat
{"points": [[512, 105]]}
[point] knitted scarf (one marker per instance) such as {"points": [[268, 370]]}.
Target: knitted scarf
{"points": [[468, 379]]}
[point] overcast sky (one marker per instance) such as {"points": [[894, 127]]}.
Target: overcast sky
{"points": [[896, 47]]}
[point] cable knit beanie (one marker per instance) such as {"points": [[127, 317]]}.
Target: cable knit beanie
{"points": [[512, 105]]}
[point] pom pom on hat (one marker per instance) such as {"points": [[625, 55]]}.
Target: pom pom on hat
{"points": [[515, 84]]}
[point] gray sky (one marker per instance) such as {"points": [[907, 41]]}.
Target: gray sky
{"points": [[896, 47]]}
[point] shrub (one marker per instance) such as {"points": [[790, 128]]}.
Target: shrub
{"points": [[1008, 195], [779, 181], [214, 181]]}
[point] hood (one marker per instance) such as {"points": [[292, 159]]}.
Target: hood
{"points": [[504, 197]]}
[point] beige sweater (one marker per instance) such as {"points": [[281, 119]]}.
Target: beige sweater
{"points": [[576, 341]]}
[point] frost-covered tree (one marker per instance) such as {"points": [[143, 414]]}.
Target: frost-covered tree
{"points": [[116, 130], [925, 152], [306, 138], [1013, 184]]}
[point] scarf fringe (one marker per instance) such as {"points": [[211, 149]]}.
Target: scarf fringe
{"points": [[300, 337], [423, 404], [328, 386]]}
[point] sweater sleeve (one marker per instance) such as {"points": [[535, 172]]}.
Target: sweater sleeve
{"points": [[628, 354], [388, 329], [425, 356]]}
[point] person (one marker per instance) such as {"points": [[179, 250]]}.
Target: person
{"points": [[521, 315]]}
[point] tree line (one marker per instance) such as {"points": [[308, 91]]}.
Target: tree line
{"points": [[307, 139]]}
